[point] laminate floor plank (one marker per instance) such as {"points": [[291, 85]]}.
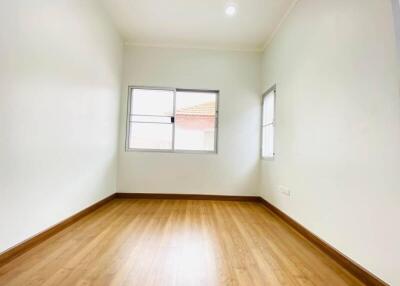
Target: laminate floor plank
{"points": [[147, 242]]}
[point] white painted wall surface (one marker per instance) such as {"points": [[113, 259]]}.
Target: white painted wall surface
{"points": [[338, 128], [59, 102], [396, 17], [234, 170]]}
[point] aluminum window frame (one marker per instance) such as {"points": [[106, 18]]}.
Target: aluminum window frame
{"points": [[172, 150], [273, 124]]}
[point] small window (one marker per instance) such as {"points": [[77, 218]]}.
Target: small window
{"points": [[172, 120], [268, 124]]}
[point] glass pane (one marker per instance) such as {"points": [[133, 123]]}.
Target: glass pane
{"points": [[198, 102], [268, 108], [268, 141], [153, 119], [150, 136], [197, 134], [152, 102], [195, 121]]}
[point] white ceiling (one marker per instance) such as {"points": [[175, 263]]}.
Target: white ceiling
{"points": [[197, 23]]}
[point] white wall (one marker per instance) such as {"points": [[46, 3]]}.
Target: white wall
{"points": [[59, 100], [234, 170], [338, 127], [396, 18]]}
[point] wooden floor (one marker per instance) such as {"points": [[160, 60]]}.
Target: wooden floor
{"points": [[176, 242]]}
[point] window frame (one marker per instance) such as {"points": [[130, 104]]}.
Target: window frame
{"points": [[273, 124], [172, 150]]}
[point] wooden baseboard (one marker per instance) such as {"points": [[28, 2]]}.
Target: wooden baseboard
{"points": [[186, 197], [24, 246], [358, 271]]}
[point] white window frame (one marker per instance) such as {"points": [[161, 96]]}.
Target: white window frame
{"points": [[172, 150], [273, 123]]}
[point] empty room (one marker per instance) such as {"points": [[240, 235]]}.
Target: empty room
{"points": [[210, 143]]}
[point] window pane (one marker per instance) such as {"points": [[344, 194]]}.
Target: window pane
{"points": [[150, 136], [152, 102], [197, 102], [268, 141], [268, 108], [195, 121], [194, 133], [154, 119]]}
